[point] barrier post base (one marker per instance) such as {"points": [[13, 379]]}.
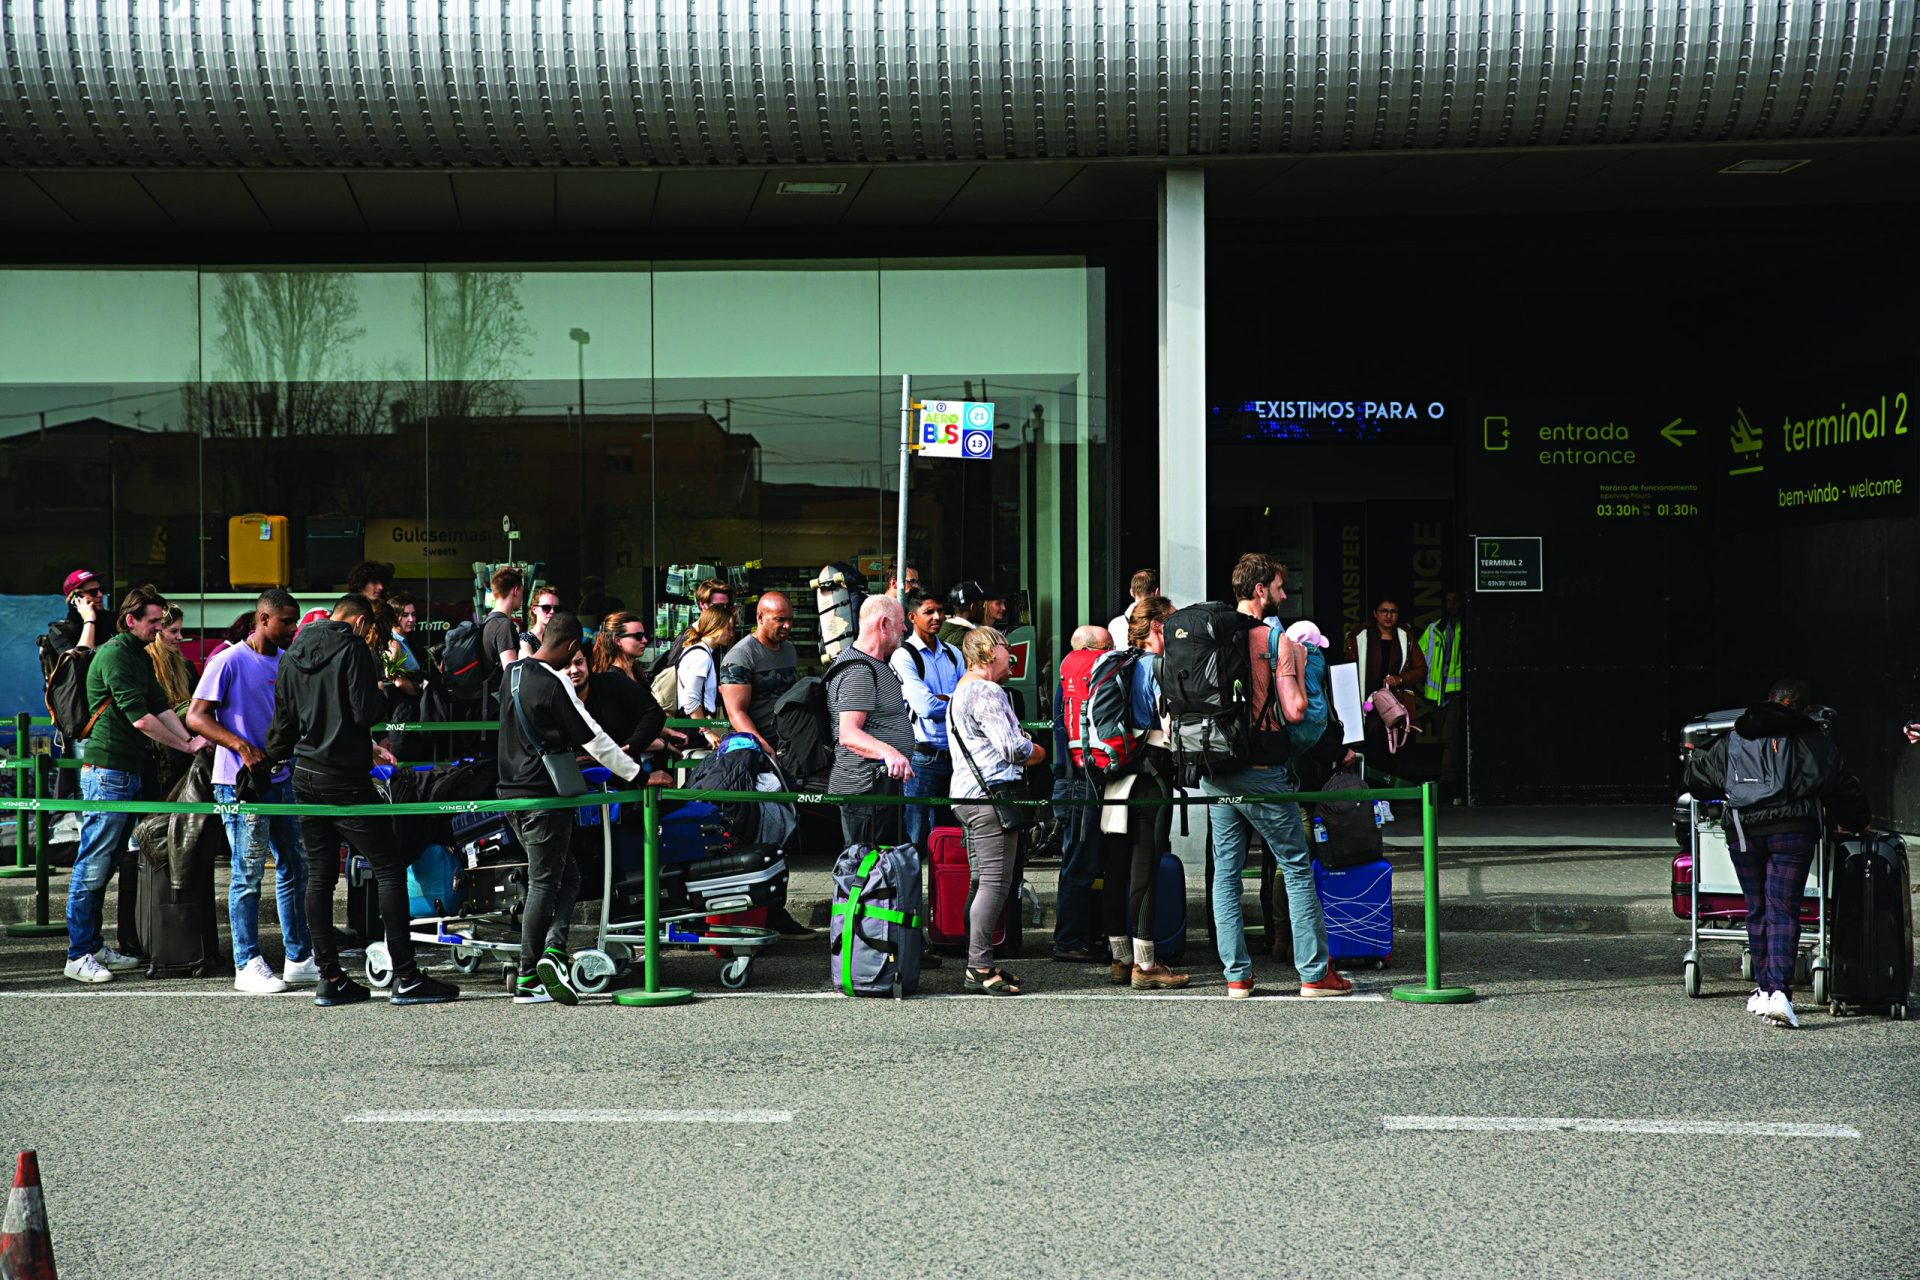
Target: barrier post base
{"points": [[1433, 995], [16, 873], [652, 999], [27, 929]]}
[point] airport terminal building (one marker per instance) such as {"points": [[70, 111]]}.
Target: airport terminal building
{"points": [[1603, 314]]}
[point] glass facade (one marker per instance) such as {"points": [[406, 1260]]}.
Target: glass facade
{"points": [[627, 419]]}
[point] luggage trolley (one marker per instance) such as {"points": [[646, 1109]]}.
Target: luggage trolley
{"points": [[1706, 888]]}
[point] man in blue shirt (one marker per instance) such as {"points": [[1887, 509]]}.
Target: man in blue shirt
{"points": [[928, 669]]}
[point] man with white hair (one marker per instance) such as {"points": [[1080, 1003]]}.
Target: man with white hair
{"points": [[1076, 932], [872, 731]]}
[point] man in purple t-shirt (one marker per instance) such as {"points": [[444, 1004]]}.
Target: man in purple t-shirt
{"points": [[233, 708]]}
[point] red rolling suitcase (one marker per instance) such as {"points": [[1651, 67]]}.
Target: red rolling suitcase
{"points": [[950, 893]]}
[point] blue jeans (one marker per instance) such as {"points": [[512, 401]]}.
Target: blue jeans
{"points": [[252, 837], [932, 775], [1077, 909], [1280, 825], [102, 837]]}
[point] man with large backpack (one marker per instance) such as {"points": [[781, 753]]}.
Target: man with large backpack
{"points": [[126, 710], [1231, 687], [1783, 780]]}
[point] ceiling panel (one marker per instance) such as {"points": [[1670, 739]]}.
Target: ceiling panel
{"points": [[1106, 193], [505, 201], [25, 207], [771, 209], [402, 201], [906, 195], [1007, 192], [201, 200], [606, 199], [706, 197], [305, 201], [105, 200]]}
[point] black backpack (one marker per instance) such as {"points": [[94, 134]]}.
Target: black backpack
{"points": [[465, 673], [67, 703], [803, 726], [1353, 837], [1206, 685]]}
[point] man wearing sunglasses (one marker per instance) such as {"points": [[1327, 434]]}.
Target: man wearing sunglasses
{"points": [[82, 626]]}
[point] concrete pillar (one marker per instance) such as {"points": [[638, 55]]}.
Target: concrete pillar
{"points": [[1183, 439], [1183, 391]]}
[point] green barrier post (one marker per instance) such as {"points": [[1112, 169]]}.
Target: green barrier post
{"points": [[653, 993], [22, 762], [1433, 992], [40, 926]]}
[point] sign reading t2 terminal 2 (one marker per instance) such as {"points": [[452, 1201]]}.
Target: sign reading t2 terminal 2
{"points": [[1508, 564]]}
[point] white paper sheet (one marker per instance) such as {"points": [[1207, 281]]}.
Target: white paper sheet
{"points": [[1346, 699]]}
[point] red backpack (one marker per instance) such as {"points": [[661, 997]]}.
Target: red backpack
{"points": [[1093, 706]]}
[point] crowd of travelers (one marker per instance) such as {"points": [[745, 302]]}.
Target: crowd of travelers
{"points": [[287, 707]]}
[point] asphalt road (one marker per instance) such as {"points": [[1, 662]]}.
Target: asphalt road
{"points": [[187, 1132]]}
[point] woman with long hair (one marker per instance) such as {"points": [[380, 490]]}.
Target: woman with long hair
{"points": [[697, 680], [617, 695], [986, 735], [170, 666]]}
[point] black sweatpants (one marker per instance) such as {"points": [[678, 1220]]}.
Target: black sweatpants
{"points": [[1130, 864], [553, 881], [371, 837]]}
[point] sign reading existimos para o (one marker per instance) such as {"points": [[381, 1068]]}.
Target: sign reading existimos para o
{"points": [[1509, 564], [1837, 452]]}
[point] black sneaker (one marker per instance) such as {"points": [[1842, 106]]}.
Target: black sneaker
{"points": [[337, 991], [553, 976], [420, 989], [781, 921]]}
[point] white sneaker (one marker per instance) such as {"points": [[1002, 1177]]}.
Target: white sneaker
{"points": [[1780, 1010], [1757, 1002], [258, 978], [88, 969], [114, 962], [300, 973]]}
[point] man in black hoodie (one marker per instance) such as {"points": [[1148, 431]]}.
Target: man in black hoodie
{"points": [[540, 714], [326, 700], [1783, 780]]}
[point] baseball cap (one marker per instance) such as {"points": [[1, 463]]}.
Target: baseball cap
{"points": [[77, 579], [1304, 632], [315, 615]]}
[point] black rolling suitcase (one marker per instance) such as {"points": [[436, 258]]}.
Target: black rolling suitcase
{"points": [[179, 927], [1871, 961]]}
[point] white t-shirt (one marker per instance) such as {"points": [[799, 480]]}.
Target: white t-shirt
{"points": [[699, 683], [1118, 629]]}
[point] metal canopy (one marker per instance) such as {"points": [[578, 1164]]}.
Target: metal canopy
{"points": [[411, 84]]}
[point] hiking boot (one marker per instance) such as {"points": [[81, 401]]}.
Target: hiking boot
{"points": [[1119, 973], [1330, 984], [1158, 978]]}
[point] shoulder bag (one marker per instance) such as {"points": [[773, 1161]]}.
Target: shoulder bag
{"points": [[563, 767]]}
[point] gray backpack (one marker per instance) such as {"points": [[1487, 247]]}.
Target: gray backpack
{"points": [[875, 933], [1759, 771]]}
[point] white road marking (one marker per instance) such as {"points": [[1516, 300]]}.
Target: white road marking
{"points": [[570, 1115], [138, 994], [1552, 1124]]}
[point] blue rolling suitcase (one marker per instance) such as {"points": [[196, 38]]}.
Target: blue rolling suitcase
{"points": [[1358, 905], [1169, 910]]}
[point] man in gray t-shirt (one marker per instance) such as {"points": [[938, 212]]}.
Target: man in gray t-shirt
{"points": [[871, 730], [757, 670]]}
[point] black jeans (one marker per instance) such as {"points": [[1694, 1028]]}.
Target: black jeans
{"points": [[373, 839], [880, 824], [553, 881], [1130, 864]]}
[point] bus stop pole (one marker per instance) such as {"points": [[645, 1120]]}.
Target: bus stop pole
{"points": [[906, 455]]}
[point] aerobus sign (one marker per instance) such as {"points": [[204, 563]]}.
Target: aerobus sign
{"points": [[956, 429]]}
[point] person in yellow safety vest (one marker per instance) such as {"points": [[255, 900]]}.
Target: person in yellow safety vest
{"points": [[1444, 644]]}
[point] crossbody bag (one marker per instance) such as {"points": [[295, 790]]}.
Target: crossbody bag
{"points": [[1013, 817], [563, 767]]}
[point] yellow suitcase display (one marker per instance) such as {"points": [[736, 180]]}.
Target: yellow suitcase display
{"points": [[258, 552]]}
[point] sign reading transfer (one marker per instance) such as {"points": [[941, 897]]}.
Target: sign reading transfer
{"points": [[1508, 564]]}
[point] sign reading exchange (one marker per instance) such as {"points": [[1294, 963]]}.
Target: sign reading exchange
{"points": [[1508, 564]]}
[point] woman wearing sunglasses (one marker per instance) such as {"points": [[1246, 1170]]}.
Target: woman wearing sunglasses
{"points": [[617, 695]]}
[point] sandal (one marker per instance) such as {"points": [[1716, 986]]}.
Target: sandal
{"points": [[989, 982]]}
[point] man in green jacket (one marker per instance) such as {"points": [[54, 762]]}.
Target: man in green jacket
{"points": [[1444, 643], [126, 709]]}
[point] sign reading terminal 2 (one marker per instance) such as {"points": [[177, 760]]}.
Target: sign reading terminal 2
{"points": [[1509, 564]]}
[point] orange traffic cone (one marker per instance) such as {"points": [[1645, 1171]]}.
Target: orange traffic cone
{"points": [[26, 1250]]}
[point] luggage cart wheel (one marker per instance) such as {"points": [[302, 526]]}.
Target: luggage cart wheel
{"points": [[1819, 984], [1690, 977], [1899, 1012], [1746, 963], [1803, 970], [593, 972], [467, 960], [734, 974], [379, 966]]}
